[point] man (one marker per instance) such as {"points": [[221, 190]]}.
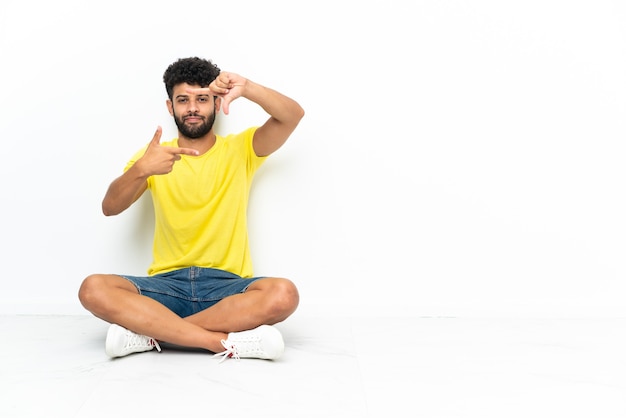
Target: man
{"points": [[200, 290]]}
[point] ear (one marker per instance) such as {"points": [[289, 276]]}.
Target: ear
{"points": [[170, 106], [218, 104]]}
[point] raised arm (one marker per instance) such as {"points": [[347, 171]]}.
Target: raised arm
{"points": [[285, 113], [128, 187]]}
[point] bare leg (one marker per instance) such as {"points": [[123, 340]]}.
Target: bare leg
{"points": [[266, 301], [116, 300]]}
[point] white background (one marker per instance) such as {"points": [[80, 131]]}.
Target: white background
{"points": [[456, 157]]}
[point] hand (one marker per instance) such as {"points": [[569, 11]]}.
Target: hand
{"points": [[228, 86], [159, 159]]}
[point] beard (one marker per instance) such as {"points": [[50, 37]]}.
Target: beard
{"points": [[195, 131]]}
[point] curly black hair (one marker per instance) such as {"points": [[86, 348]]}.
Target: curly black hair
{"points": [[194, 70]]}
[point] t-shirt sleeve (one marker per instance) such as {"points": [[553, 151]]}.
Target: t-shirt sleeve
{"points": [[135, 157]]}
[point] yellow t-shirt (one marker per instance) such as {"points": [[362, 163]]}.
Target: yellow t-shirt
{"points": [[201, 207]]}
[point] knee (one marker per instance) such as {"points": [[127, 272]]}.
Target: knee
{"points": [[285, 298], [89, 290]]}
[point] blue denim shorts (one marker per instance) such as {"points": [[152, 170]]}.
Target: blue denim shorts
{"points": [[190, 290]]}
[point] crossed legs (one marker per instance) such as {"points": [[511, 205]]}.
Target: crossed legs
{"points": [[116, 300]]}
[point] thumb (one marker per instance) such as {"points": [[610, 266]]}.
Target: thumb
{"points": [[156, 139], [225, 102]]}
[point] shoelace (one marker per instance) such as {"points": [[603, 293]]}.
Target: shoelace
{"points": [[247, 346], [230, 351], [136, 340]]}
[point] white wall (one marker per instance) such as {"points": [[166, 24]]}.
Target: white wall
{"points": [[457, 157]]}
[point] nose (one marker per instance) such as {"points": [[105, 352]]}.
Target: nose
{"points": [[193, 106]]}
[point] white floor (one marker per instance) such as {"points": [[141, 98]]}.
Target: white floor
{"points": [[55, 366]]}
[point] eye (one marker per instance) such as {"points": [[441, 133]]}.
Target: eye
{"points": [[203, 99], [182, 100]]}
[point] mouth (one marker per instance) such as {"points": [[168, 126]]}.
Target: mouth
{"points": [[193, 119]]}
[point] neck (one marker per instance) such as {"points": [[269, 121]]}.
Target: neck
{"points": [[202, 144]]}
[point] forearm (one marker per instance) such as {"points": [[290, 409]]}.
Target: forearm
{"points": [[124, 191], [285, 114], [280, 107]]}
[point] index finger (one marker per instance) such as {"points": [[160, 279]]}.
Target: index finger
{"points": [[200, 90], [184, 151]]}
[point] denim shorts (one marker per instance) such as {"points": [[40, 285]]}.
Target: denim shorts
{"points": [[190, 290]]}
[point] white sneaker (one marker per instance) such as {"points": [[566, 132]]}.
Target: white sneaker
{"points": [[121, 342], [264, 342]]}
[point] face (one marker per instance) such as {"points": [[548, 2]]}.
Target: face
{"points": [[194, 114]]}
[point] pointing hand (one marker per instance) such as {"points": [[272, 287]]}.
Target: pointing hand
{"points": [[160, 159]]}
